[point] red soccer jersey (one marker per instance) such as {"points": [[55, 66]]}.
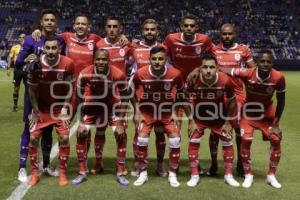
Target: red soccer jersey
{"points": [[186, 56], [157, 94], [100, 89], [80, 51], [119, 55], [209, 100], [141, 54], [257, 90], [51, 83], [234, 57]]}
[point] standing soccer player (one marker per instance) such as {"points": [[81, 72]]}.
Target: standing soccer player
{"points": [[258, 112], [209, 111], [230, 54], [141, 54], [19, 74], [30, 50], [98, 85], [159, 85], [50, 91]]}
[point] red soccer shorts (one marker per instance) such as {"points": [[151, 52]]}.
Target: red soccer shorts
{"points": [[169, 128], [47, 120]]}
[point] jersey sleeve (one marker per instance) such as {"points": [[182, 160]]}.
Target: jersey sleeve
{"points": [[280, 85], [26, 49], [248, 55], [209, 46], [229, 89], [240, 72], [121, 82], [167, 43]]}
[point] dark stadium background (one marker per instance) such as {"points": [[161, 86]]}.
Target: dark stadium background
{"points": [[260, 24]]}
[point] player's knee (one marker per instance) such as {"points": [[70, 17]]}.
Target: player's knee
{"points": [[63, 139], [174, 142], [143, 141], [34, 141], [226, 143]]}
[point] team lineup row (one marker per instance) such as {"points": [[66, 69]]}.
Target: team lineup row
{"points": [[186, 63]]}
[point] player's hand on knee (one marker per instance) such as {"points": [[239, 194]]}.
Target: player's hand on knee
{"points": [[226, 130], [275, 130], [34, 118], [192, 127], [64, 117], [81, 131]]}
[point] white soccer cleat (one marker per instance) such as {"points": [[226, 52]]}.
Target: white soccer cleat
{"points": [[173, 180], [248, 181], [49, 171], [22, 175], [229, 179], [271, 179], [143, 177], [194, 180]]}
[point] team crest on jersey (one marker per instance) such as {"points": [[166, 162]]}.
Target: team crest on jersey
{"points": [[122, 52], [60, 76], [270, 90], [219, 93], [237, 57], [167, 86], [91, 46], [198, 50]]}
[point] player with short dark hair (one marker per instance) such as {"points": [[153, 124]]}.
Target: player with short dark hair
{"points": [[207, 97], [159, 86], [50, 91], [30, 51], [259, 113]]}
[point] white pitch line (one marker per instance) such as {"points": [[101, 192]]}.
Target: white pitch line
{"points": [[22, 189]]}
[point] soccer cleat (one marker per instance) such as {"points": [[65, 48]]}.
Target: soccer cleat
{"points": [[248, 181], [229, 179], [271, 180], [15, 109], [194, 180], [143, 177], [34, 179], [122, 180], [98, 168], [79, 179], [62, 179], [134, 172], [160, 171], [212, 170], [173, 179], [22, 175], [49, 171]]}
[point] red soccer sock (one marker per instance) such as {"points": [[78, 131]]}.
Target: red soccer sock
{"points": [[275, 154], [193, 157], [246, 155], [64, 152], [81, 149], [33, 154], [228, 155], [99, 144], [160, 143], [121, 155], [213, 147], [174, 156]]}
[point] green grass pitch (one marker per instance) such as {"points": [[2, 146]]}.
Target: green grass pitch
{"points": [[104, 186]]}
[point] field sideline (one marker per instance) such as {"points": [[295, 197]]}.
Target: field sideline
{"points": [[104, 186]]}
